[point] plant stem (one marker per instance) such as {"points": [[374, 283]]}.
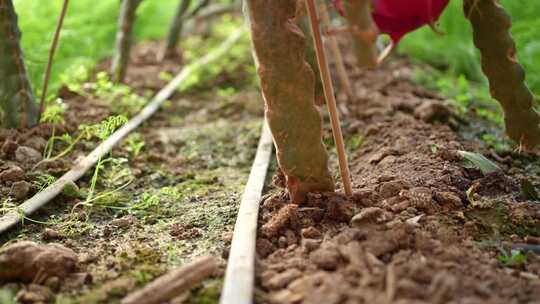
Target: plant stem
{"points": [[52, 51], [336, 53], [330, 98]]}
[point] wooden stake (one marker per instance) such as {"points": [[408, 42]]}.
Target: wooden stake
{"points": [[39, 200], [330, 98], [336, 53], [52, 51], [174, 283], [240, 274]]}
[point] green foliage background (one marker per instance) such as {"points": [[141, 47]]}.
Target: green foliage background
{"points": [[87, 36], [90, 26], [455, 52]]}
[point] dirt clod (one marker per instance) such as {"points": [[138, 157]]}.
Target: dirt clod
{"points": [[368, 215], [50, 234], [283, 279], [27, 261], [448, 199], [280, 220], [311, 233], [27, 155], [13, 174], [20, 190], [326, 258], [432, 111], [9, 147]]}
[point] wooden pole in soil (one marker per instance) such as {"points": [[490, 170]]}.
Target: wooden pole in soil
{"points": [[52, 51], [336, 53], [174, 283], [330, 98], [39, 200]]}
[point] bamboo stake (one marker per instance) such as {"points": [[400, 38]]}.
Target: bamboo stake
{"points": [[52, 51], [239, 277], [42, 198], [174, 283], [336, 53], [330, 98]]}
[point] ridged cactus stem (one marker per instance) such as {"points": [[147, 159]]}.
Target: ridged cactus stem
{"points": [[169, 50], [287, 84], [16, 95], [491, 31], [363, 30], [124, 37]]}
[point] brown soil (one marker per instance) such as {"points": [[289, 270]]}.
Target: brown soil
{"points": [[410, 234]]}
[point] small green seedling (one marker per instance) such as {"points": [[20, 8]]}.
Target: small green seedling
{"points": [[480, 162], [515, 258]]}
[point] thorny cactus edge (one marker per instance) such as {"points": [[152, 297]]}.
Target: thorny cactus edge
{"points": [[16, 95], [295, 122], [491, 31]]}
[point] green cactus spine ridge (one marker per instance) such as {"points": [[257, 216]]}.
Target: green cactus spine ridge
{"points": [[16, 96], [287, 83], [491, 32]]}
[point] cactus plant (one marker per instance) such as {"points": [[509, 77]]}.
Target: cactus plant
{"points": [[124, 37], [491, 31], [16, 96], [175, 31], [295, 122], [363, 30]]}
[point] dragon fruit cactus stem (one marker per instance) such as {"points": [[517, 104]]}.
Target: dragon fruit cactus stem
{"points": [[287, 83], [491, 32], [363, 30], [16, 95]]}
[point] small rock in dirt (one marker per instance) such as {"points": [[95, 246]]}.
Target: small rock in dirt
{"points": [[349, 235], [370, 215], [264, 247], [448, 199], [392, 188], [23, 260], [432, 111], [279, 220], [339, 209], [36, 142], [13, 174], [34, 294], [291, 237], [311, 233], [283, 279], [19, 190], [308, 245], [9, 147], [123, 222], [380, 155], [326, 258], [50, 234], [27, 155], [282, 242]]}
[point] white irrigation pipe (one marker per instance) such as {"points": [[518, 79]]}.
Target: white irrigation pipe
{"points": [[39, 200], [240, 274]]}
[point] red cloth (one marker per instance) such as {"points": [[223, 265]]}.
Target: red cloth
{"points": [[399, 17]]}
